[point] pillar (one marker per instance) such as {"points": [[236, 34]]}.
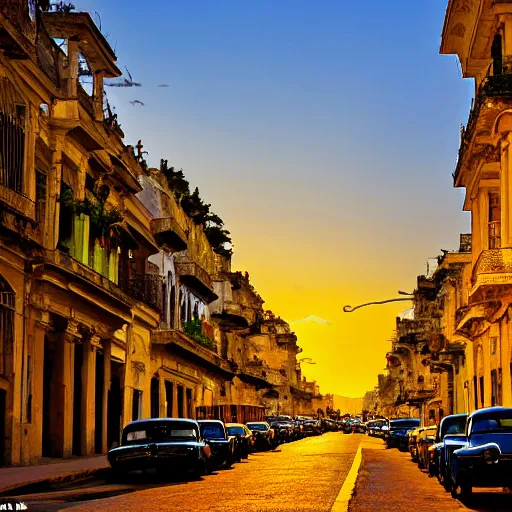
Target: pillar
{"points": [[107, 351], [505, 191], [53, 206], [506, 384], [162, 398], [126, 380], [175, 400], [67, 384], [88, 395], [41, 328]]}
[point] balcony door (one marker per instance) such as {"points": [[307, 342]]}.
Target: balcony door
{"points": [[494, 232]]}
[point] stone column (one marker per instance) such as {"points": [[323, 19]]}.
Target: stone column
{"points": [[107, 350], [53, 206], [506, 384], [175, 400], [89, 394], [162, 401], [41, 328]]}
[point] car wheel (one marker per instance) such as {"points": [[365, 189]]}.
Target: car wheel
{"points": [[201, 469], [466, 491]]}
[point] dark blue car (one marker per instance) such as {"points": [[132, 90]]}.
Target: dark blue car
{"points": [[451, 435], [398, 433], [485, 458]]}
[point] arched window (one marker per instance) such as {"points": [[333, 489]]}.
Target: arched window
{"points": [[7, 305]]}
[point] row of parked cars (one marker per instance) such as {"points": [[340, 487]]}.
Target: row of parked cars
{"points": [[464, 451], [181, 445]]}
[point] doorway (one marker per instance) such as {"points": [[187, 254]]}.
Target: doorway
{"points": [[155, 398], [169, 397], [114, 404], [181, 409]]}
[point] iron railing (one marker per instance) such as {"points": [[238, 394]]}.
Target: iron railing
{"points": [[145, 288]]}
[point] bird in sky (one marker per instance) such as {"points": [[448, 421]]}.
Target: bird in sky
{"points": [[163, 85], [126, 82], [137, 102]]}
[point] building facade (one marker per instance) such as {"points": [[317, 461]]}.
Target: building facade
{"points": [[116, 303]]}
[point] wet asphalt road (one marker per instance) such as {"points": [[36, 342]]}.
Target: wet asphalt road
{"points": [[305, 475]]}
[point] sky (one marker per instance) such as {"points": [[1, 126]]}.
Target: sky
{"points": [[324, 134]]}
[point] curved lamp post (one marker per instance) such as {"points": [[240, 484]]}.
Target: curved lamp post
{"points": [[350, 309]]}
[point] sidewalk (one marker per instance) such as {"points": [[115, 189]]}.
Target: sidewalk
{"points": [[50, 471], [388, 481]]}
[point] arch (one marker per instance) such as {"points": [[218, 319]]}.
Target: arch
{"points": [[495, 127]]}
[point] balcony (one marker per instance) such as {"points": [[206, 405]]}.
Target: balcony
{"points": [[190, 349], [145, 288], [499, 86], [17, 30], [168, 232], [17, 202], [493, 268], [197, 279]]}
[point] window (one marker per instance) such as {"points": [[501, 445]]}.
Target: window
{"points": [[475, 388], [12, 148], [136, 404], [494, 344], [494, 221], [497, 55], [6, 324], [482, 394], [41, 179], [494, 388]]}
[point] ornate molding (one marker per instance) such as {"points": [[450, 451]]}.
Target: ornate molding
{"points": [[139, 367]]}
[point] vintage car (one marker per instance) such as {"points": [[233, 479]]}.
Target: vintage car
{"points": [[374, 427], [163, 444], [222, 446], [426, 439], [413, 443], [398, 433], [284, 428], [242, 438], [485, 459], [264, 437], [450, 435]]}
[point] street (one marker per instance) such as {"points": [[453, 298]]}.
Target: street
{"points": [[306, 475]]}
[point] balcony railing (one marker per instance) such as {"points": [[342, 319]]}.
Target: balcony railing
{"points": [[167, 231], [145, 288], [195, 277], [17, 202], [48, 54], [495, 234], [493, 267]]}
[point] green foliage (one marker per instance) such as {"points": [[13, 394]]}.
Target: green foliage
{"points": [[176, 180], [194, 330], [197, 210], [100, 218]]}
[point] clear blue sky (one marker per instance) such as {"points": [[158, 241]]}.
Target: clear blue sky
{"points": [[323, 132]]}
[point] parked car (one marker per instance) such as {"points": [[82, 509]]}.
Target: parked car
{"points": [[312, 427], [284, 428], [413, 443], [168, 445], [374, 427], [222, 446], [450, 434], [263, 434], [426, 439], [398, 434], [242, 439], [485, 459]]}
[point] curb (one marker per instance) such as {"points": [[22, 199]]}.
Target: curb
{"points": [[342, 501], [42, 484]]}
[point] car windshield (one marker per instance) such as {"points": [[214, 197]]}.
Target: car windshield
{"points": [[398, 425], [257, 426], [500, 422], [158, 432], [233, 431], [453, 426], [212, 431]]}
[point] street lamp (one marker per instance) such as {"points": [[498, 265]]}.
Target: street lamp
{"points": [[350, 309]]}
